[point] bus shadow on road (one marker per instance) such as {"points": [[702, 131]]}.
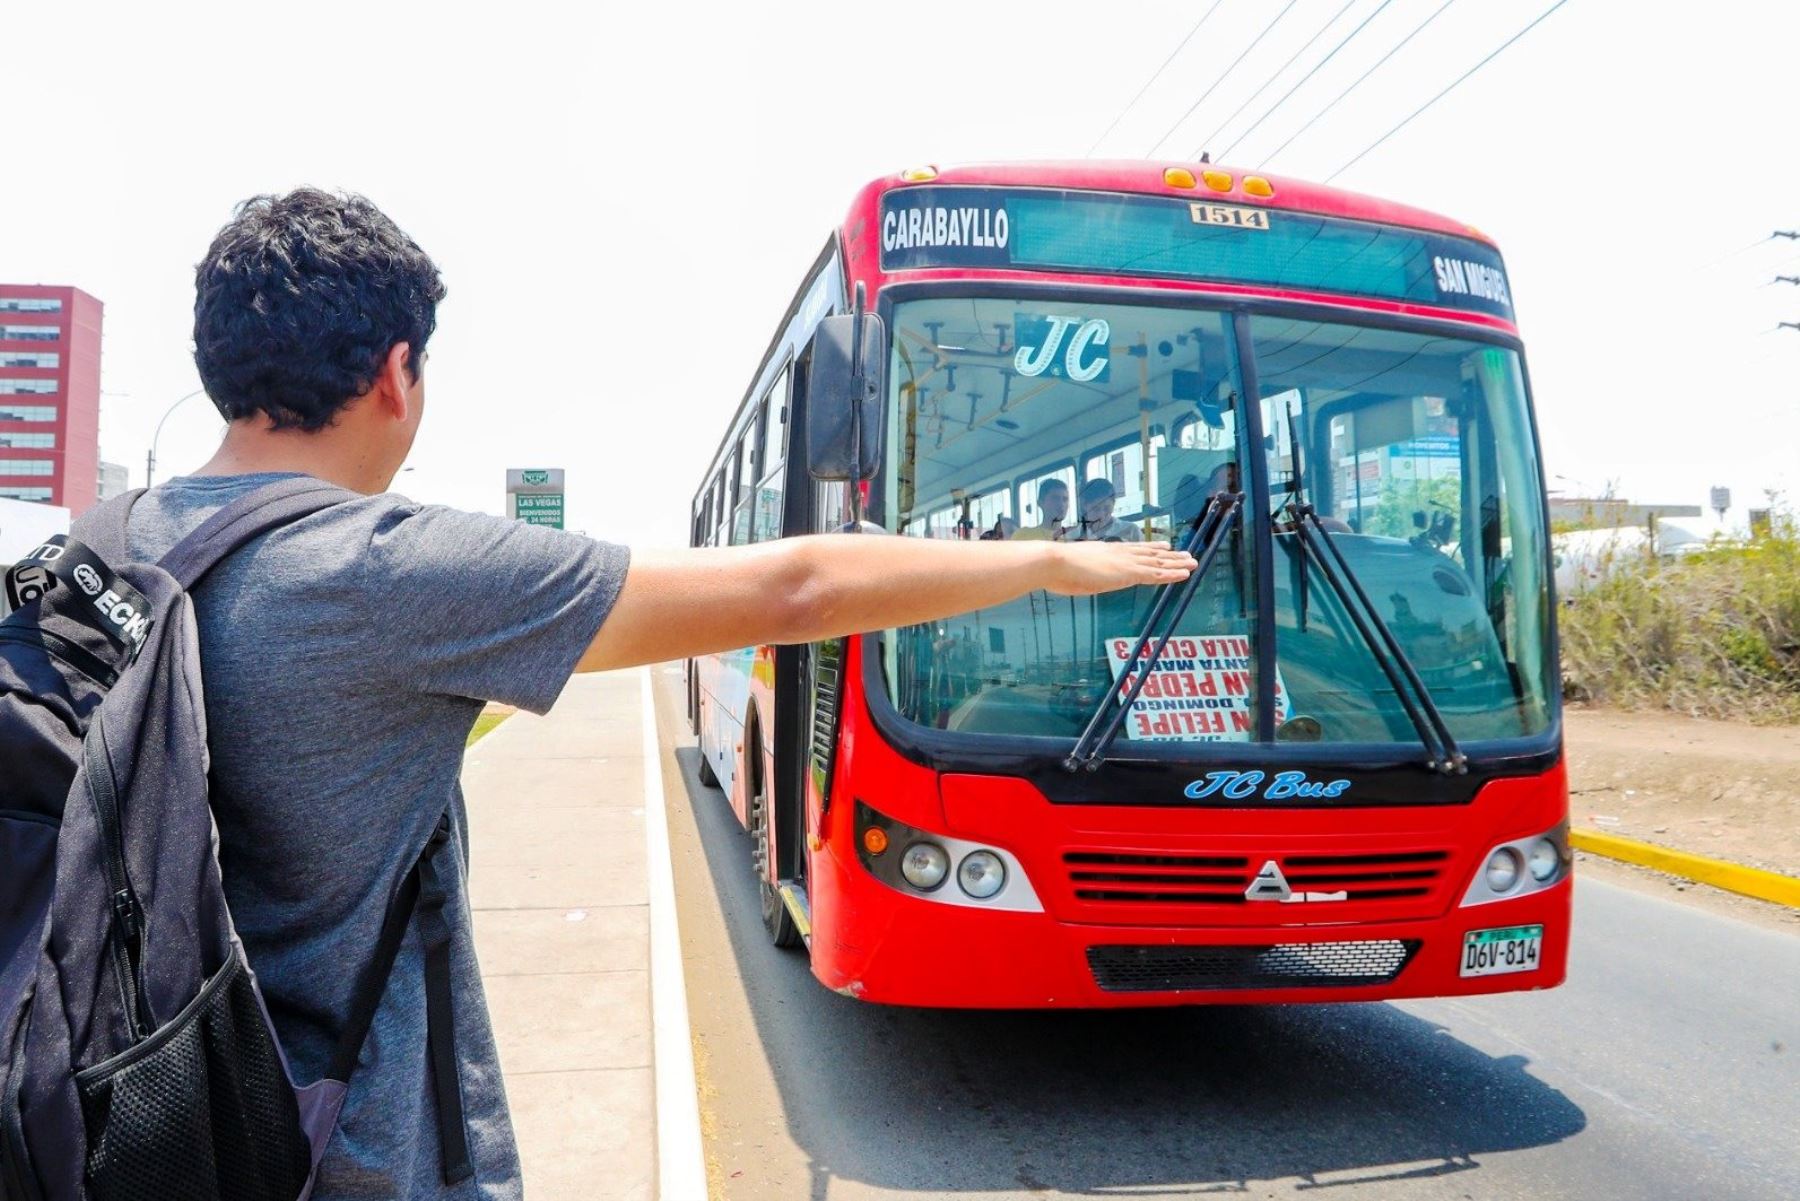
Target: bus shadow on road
{"points": [[1147, 1102]]}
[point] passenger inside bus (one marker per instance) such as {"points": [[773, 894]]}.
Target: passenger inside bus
{"points": [[1098, 523], [1053, 504]]}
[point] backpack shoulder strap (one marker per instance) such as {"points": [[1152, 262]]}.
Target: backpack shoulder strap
{"points": [[419, 900], [103, 529], [247, 517]]}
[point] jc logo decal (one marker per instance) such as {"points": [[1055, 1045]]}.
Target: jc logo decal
{"points": [[1081, 357]]}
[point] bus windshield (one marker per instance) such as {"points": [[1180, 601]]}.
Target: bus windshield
{"points": [[1029, 418]]}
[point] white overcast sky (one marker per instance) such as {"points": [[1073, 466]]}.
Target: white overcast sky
{"points": [[623, 197]]}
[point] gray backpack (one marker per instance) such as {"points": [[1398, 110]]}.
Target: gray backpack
{"points": [[137, 1059]]}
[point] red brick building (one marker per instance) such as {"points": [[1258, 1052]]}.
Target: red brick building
{"points": [[49, 395]]}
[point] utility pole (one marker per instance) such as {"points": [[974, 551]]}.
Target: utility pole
{"points": [[150, 459]]}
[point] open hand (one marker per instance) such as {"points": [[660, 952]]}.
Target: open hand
{"points": [[1085, 568]]}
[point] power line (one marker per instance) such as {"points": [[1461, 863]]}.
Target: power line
{"points": [[1267, 83], [1492, 55], [1158, 75], [1348, 38], [1417, 30], [1221, 79]]}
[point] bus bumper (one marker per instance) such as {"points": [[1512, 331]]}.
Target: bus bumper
{"points": [[911, 951]]}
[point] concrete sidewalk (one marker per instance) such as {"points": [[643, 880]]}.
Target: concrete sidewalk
{"points": [[561, 891]]}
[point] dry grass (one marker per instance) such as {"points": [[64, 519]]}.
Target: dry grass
{"points": [[1716, 634], [483, 724]]}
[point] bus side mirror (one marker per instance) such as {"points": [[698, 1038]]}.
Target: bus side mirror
{"points": [[843, 397]]}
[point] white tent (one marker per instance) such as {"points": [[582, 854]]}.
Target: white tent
{"points": [[24, 525], [1585, 557]]}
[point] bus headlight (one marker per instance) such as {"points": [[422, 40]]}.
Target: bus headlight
{"points": [[925, 865], [1521, 866], [981, 874], [916, 862], [1503, 869], [1544, 859]]}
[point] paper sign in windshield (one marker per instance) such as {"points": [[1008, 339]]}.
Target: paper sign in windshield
{"points": [[1199, 690]]}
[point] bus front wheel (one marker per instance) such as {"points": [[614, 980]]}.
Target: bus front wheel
{"points": [[776, 919]]}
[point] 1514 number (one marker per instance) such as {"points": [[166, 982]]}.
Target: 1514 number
{"points": [[1225, 214]]}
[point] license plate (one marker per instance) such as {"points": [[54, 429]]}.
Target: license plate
{"points": [[1497, 952]]}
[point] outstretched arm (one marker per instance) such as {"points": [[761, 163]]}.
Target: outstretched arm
{"points": [[682, 603]]}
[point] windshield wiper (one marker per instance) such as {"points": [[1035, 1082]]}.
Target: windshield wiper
{"points": [[1426, 717], [1210, 531], [1441, 751]]}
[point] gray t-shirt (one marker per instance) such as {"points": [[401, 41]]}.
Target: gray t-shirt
{"points": [[345, 658]]}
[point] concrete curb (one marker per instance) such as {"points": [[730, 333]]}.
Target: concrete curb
{"points": [[680, 1153], [1733, 877]]}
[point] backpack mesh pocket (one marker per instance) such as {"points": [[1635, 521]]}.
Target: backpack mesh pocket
{"points": [[201, 1110]]}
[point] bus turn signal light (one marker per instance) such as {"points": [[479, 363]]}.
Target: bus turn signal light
{"points": [[1218, 181], [919, 174], [1256, 185], [1179, 177], [875, 840]]}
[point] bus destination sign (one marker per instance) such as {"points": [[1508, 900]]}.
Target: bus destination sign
{"points": [[1118, 234]]}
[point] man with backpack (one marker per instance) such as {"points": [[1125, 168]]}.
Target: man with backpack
{"points": [[306, 705]]}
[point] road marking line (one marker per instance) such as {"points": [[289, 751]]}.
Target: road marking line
{"points": [[680, 1155], [1733, 877]]}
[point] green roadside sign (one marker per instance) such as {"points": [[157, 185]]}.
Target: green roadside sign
{"points": [[541, 509], [535, 495]]}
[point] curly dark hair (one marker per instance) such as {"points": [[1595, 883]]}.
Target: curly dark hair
{"points": [[299, 300]]}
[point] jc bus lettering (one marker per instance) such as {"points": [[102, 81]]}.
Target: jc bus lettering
{"points": [[1287, 785]]}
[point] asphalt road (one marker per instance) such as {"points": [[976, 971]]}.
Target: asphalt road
{"points": [[1668, 1067]]}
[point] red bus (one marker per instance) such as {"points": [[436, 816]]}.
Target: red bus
{"points": [[1329, 767]]}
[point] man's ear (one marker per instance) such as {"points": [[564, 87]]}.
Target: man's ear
{"points": [[395, 381]]}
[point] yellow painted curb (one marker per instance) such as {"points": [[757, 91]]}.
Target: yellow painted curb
{"points": [[1733, 877]]}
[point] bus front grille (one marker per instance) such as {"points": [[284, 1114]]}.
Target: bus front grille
{"points": [[1170, 879], [1281, 965]]}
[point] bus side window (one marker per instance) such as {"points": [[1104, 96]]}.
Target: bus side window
{"points": [[747, 461], [769, 489], [741, 468], [718, 517]]}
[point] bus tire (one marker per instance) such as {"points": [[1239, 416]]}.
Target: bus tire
{"points": [[776, 920]]}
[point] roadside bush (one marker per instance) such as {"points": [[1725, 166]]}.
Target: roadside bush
{"points": [[1715, 634]]}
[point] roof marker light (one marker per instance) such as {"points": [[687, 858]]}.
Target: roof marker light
{"points": [[1218, 181], [1178, 177], [919, 174], [1256, 185]]}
